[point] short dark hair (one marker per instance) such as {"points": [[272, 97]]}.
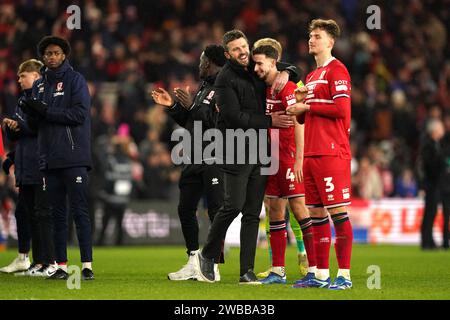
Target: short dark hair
{"points": [[48, 40], [231, 36], [216, 54], [330, 26], [267, 50]]}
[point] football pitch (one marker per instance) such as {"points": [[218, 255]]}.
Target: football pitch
{"points": [[400, 272]]}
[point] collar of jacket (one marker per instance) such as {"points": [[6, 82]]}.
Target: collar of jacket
{"points": [[239, 68], [27, 93], [210, 79], [58, 72]]}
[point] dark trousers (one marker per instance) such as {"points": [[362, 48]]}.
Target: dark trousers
{"points": [[244, 188], [36, 201], [71, 183], [433, 196], [23, 223], [446, 212], [111, 210], [196, 181]]}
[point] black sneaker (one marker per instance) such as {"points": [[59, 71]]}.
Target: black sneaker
{"points": [[60, 274], [249, 278], [205, 268], [87, 274]]}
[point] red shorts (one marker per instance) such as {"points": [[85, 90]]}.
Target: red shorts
{"points": [[283, 183], [327, 181]]}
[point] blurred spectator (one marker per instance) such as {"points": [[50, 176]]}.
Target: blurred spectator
{"points": [[160, 176], [367, 182], [406, 185], [114, 154]]}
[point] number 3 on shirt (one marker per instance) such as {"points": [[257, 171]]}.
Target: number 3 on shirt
{"points": [[328, 184]]}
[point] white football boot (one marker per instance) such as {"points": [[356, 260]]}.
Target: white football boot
{"points": [[18, 264], [187, 272]]}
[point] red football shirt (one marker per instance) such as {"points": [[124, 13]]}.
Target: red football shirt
{"points": [[280, 102], [327, 124]]}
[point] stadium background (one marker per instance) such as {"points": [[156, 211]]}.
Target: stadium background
{"points": [[400, 79]]}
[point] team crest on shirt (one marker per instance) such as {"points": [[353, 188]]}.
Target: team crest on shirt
{"points": [[59, 90], [210, 95], [208, 98]]}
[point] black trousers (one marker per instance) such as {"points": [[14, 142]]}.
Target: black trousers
{"points": [[41, 223], [71, 183], [446, 213], [197, 180], [433, 196], [244, 188], [23, 225], [116, 211]]}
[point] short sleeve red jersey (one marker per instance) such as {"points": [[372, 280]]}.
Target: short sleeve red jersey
{"points": [[280, 102], [327, 124]]}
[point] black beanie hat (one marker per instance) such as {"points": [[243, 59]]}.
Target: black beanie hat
{"points": [[216, 54], [48, 40]]}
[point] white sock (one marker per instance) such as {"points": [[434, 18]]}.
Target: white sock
{"points": [[87, 265], [279, 270], [23, 256], [344, 273], [322, 274], [63, 267], [312, 269]]}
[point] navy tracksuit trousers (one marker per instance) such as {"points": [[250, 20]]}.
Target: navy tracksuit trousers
{"points": [[71, 184]]}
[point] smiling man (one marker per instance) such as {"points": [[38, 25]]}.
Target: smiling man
{"points": [[241, 104]]}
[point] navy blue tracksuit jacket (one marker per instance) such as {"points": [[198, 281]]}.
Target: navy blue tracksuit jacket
{"points": [[64, 141], [65, 135]]}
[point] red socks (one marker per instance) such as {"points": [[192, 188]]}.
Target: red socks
{"points": [[344, 239], [322, 241], [308, 239], [278, 237]]}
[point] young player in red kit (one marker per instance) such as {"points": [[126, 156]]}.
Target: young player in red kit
{"points": [[326, 112], [287, 182]]}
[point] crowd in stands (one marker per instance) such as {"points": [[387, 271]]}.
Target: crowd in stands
{"points": [[400, 72]]}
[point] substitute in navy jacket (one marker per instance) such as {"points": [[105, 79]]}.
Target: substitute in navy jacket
{"points": [[26, 165], [65, 133]]}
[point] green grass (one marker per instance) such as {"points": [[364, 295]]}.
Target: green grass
{"points": [[141, 273]]}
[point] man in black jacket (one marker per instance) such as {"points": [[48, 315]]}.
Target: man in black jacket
{"points": [[197, 179], [33, 218], [61, 109], [241, 102], [435, 181]]}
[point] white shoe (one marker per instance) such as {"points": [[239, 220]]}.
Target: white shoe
{"points": [[31, 272], [216, 272], [18, 264], [187, 272]]}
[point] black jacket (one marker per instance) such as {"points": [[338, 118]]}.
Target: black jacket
{"points": [[241, 98], [26, 164], [64, 135], [445, 182], [432, 162], [203, 109]]}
